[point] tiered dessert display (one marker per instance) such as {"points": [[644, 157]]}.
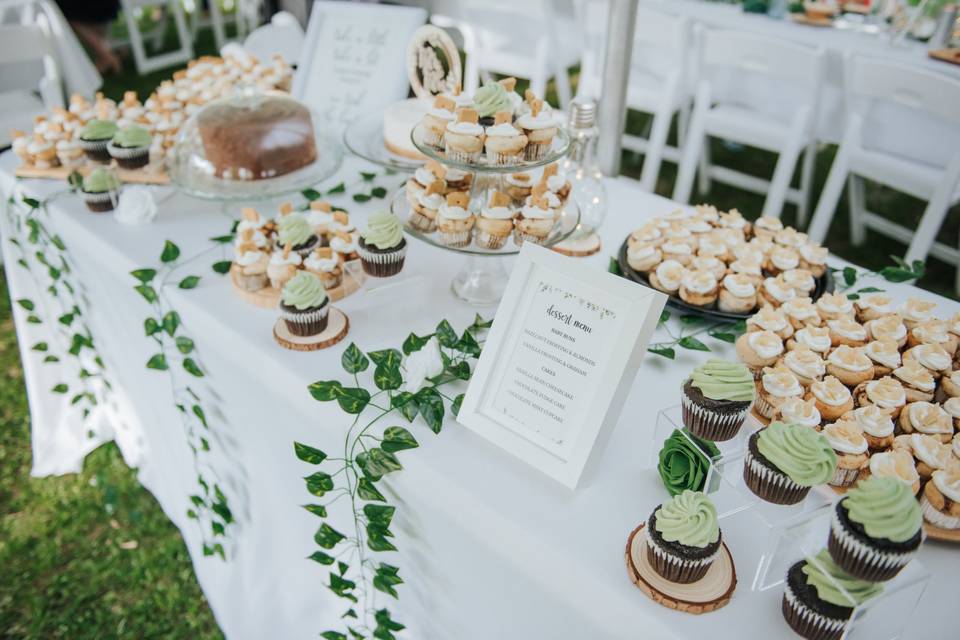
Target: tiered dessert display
{"points": [[476, 197]]}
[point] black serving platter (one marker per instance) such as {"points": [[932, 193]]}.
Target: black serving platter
{"points": [[824, 284]]}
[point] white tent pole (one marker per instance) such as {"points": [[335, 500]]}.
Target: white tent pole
{"points": [[616, 69]]}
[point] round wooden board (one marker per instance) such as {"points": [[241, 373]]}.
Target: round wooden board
{"points": [[710, 593], [338, 325], [269, 298], [579, 248]]}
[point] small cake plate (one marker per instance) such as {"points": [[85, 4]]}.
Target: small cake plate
{"points": [[269, 297], [710, 593], [364, 138], [338, 325]]}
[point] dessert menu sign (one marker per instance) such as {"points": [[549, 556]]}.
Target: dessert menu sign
{"points": [[563, 352], [354, 59]]}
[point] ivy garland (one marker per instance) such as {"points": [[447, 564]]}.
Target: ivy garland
{"points": [[44, 256], [368, 456]]}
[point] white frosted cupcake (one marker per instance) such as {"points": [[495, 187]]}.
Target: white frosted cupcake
{"points": [[775, 387], [814, 259], [534, 222], [738, 294], [814, 338], [643, 257], [711, 264], [877, 426], [886, 393], [849, 365], [776, 292], [540, 127], [941, 499], [494, 225], [759, 349], [930, 356], [927, 418], [699, 288], [833, 306], [668, 276], [872, 306], [801, 312], [846, 438], [831, 398], [799, 411], [914, 311], [770, 319], [847, 332], [888, 328], [896, 464], [885, 357], [454, 220], [504, 142], [806, 365]]}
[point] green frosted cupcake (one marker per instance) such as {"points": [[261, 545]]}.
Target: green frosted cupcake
{"points": [[304, 305], [716, 399], [130, 147], [101, 190], [784, 460], [95, 137], [814, 605], [683, 537], [295, 230], [382, 247], [876, 529]]}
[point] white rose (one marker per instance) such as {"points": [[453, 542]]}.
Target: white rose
{"points": [[423, 364], [136, 206]]}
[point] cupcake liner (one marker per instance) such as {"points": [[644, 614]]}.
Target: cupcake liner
{"points": [[307, 247], [455, 238], [711, 425], [382, 265], [252, 282], [432, 137], [101, 202], [860, 559], [675, 568], [306, 323], [807, 622], [519, 237], [488, 240], [763, 406], [936, 517], [536, 150], [462, 156], [503, 159], [421, 222], [96, 150], [129, 158], [330, 280], [844, 477], [772, 486]]}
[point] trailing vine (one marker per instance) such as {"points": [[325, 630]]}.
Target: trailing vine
{"points": [[44, 256], [409, 382]]}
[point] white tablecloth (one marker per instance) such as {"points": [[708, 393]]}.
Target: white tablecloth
{"points": [[489, 547]]}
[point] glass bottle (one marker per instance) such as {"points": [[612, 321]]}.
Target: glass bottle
{"points": [[580, 167]]}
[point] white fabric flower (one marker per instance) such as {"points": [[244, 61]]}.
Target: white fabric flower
{"points": [[423, 364], [136, 206]]}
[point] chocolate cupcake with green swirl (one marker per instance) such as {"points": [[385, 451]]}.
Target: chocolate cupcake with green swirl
{"points": [[716, 398], [101, 190], [304, 305], [683, 537], [95, 137], [295, 230], [489, 99], [382, 247], [784, 460], [876, 529], [130, 147], [813, 603]]}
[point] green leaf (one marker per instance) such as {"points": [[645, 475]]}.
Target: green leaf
{"points": [[386, 357], [34, 319], [380, 514], [340, 188], [224, 239], [184, 344], [380, 462], [446, 336], [689, 342], [367, 491], [60, 388], [378, 192], [51, 358], [377, 538], [158, 362], [414, 343], [321, 557], [385, 578], [387, 378], [308, 453], [353, 400], [666, 352], [853, 296], [613, 266], [869, 290], [311, 194], [919, 268], [40, 346], [201, 415], [75, 179], [849, 276], [739, 327], [895, 274], [190, 282], [333, 635], [407, 403], [342, 567], [316, 509], [361, 197], [431, 408], [170, 252], [26, 304], [480, 323], [319, 483], [149, 293], [664, 316], [690, 319], [191, 367], [722, 335], [222, 267], [397, 439], [353, 360], [468, 344], [461, 370], [66, 319], [33, 203], [150, 326], [363, 462], [144, 275], [325, 390], [171, 322], [455, 407], [367, 177]]}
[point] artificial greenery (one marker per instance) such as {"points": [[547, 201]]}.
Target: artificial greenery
{"points": [[847, 278], [683, 462], [408, 383]]}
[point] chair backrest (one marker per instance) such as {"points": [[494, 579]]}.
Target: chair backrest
{"points": [[23, 43], [661, 42], [283, 35], [905, 109]]}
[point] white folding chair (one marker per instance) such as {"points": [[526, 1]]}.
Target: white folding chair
{"points": [[147, 63], [529, 39], [657, 85], [25, 43], [282, 35], [883, 99], [245, 17], [735, 69]]}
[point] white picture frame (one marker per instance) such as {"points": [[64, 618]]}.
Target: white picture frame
{"points": [[354, 59], [505, 391]]}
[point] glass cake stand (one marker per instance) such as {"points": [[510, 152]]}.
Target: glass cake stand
{"points": [[364, 138], [483, 275]]}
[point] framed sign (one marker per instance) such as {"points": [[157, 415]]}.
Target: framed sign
{"points": [[560, 358], [354, 59]]}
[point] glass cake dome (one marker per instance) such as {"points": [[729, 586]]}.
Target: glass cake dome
{"points": [[252, 147]]}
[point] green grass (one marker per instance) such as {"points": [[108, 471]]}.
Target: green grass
{"points": [[89, 555]]}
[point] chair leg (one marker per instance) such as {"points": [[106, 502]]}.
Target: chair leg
{"points": [[693, 147], [562, 78], [856, 195], [683, 123], [704, 163], [830, 196], [655, 144], [806, 182], [935, 212]]}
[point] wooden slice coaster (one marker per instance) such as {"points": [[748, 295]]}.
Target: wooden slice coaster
{"points": [[338, 325], [579, 248], [946, 55], [710, 593], [269, 298]]}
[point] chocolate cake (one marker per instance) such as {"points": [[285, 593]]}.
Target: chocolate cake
{"points": [[256, 139]]}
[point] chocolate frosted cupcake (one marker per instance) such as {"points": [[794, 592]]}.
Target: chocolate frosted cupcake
{"points": [[716, 398], [876, 529], [130, 147], [683, 537], [813, 603], [293, 229], [382, 247], [784, 460], [95, 137], [304, 305], [101, 190]]}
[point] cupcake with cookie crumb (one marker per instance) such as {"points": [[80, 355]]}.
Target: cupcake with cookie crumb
{"points": [[759, 349], [423, 216], [940, 502], [894, 463], [454, 220], [833, 306], [801, 313], [806, 365], [931, 357], [738, 294], [463, 138], [776, 386], [915, 311], [849, 444], [799, 412], [926, 418], [888, 328], [831, 397], [917, 381], [699, 288], [817, 339], [668, 276], [494, 225], [540, 128], [876, 424], [850, 366], [885, 357], [873, 306], [504, 142], [885, 393], [770, 319]]}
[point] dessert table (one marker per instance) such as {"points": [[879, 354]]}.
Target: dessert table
{"points": [[490, 547]]}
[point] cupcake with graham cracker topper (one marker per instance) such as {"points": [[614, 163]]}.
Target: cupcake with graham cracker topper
{"points": [[464, 137], [504, 142], [454, 220], [494, 225]]}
